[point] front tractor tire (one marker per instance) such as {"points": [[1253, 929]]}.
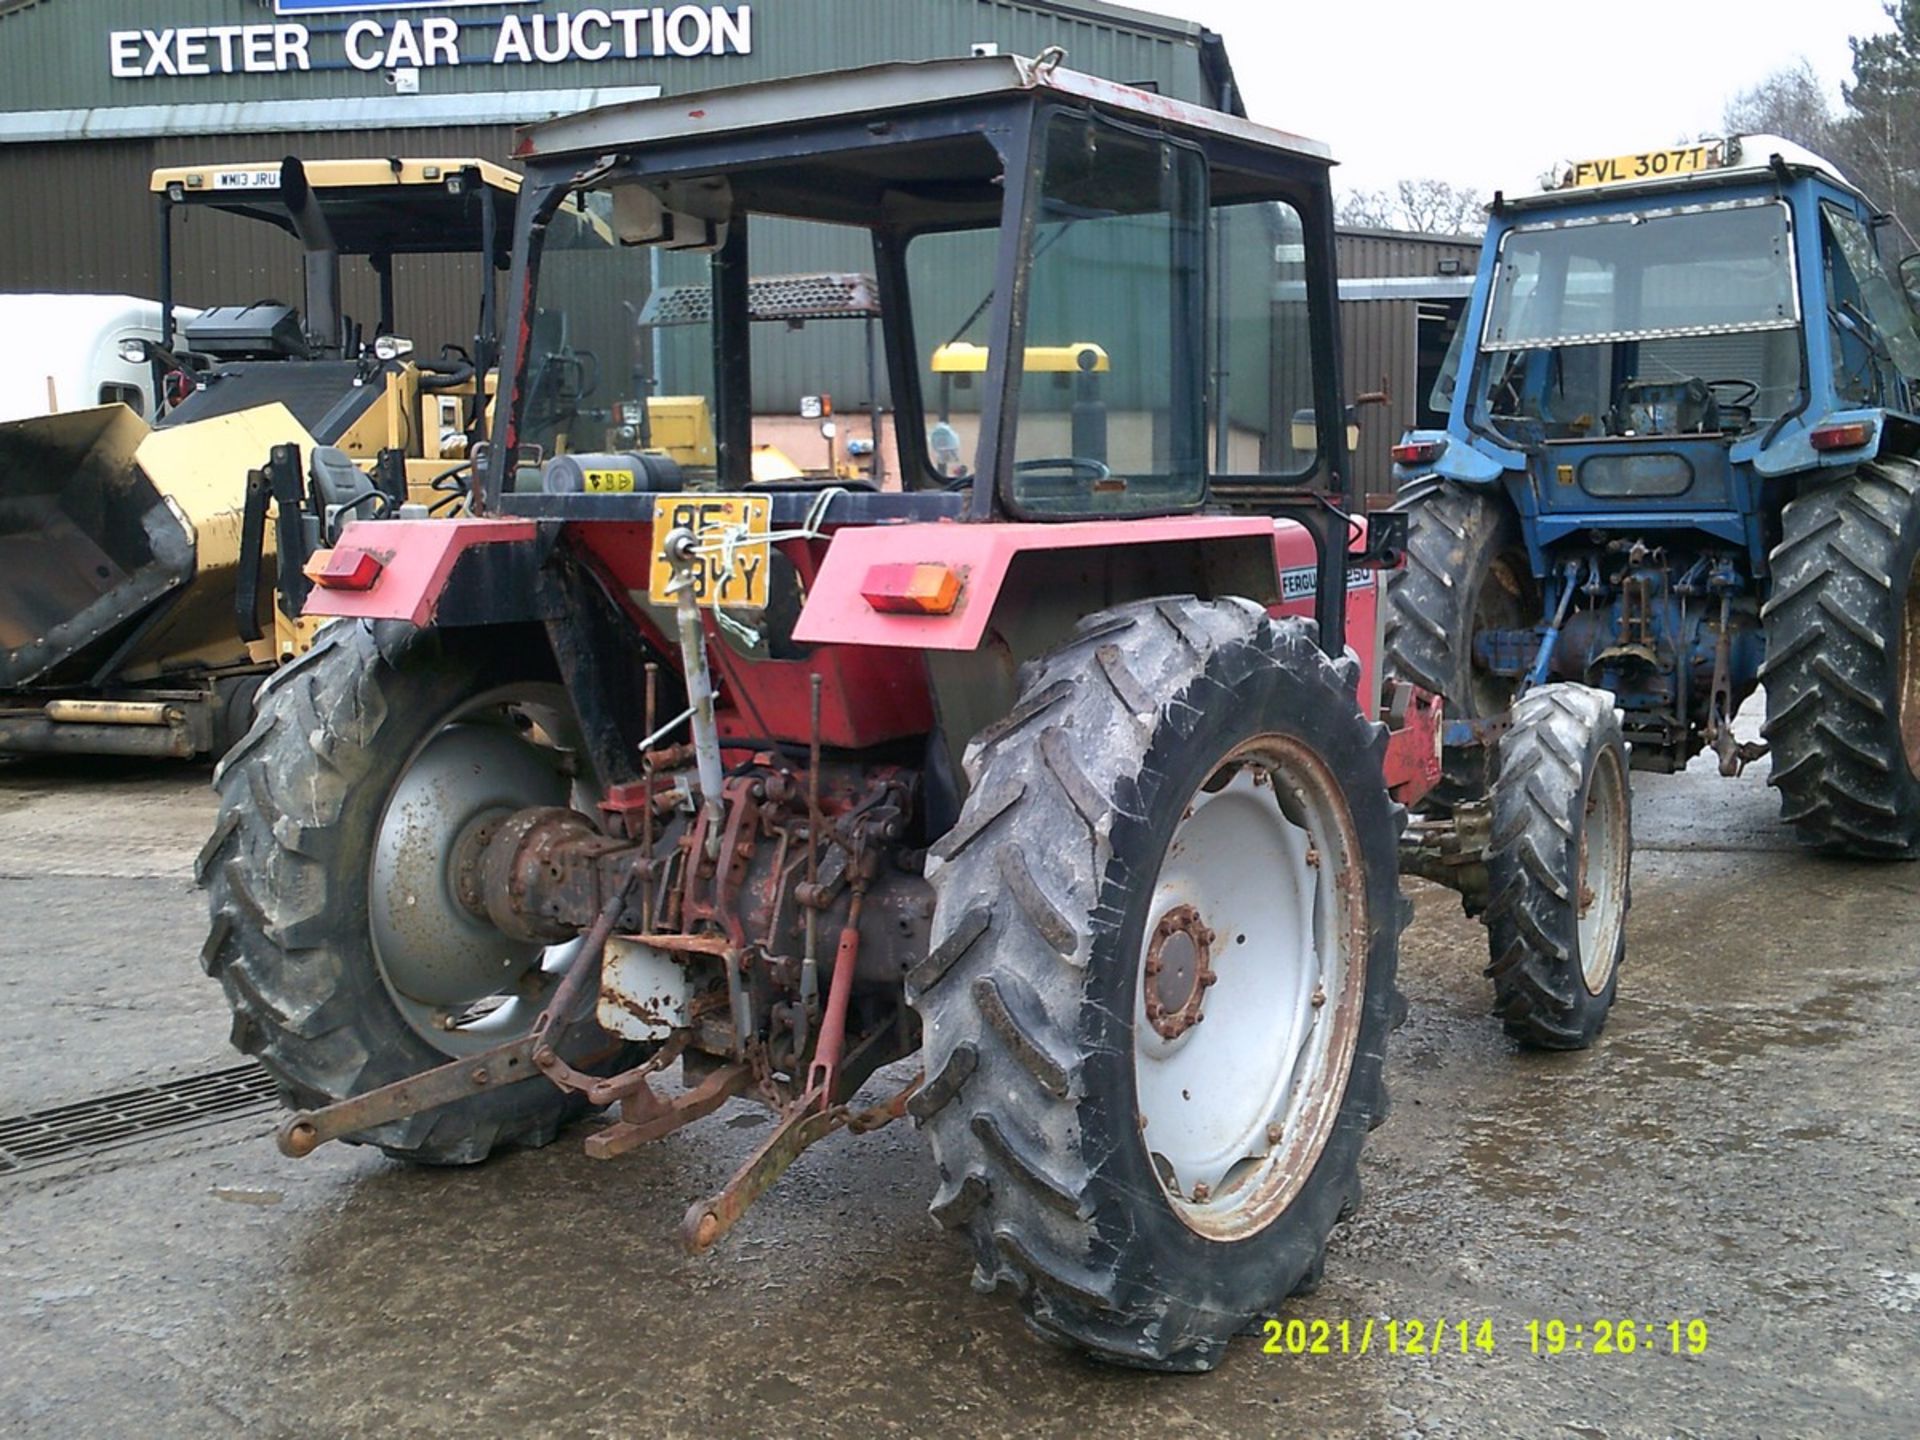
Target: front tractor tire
{"points": [[346, 957], [1559, 867], [1843, 663], [1161, 979]]}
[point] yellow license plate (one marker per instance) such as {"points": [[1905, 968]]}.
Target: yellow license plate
{"points": [[731, 531], [1648, 165]]}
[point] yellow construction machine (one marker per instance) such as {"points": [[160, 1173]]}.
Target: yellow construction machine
{"points": [[149, 574]]}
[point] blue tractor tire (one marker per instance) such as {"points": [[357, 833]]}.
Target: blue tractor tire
{"points": [[1843, 662], [1558, 867], [1466, 571]]}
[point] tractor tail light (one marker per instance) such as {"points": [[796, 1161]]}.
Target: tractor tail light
{"points": [[1850, 436], [1418, 452], [912, 589], [343, 568]]}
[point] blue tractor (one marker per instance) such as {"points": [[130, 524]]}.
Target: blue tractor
{"points": [[1680, 462]]}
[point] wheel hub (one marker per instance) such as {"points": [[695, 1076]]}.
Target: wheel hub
{"points": [[456, 977], [1179, 971]]}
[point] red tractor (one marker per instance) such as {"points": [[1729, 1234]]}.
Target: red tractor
{"points": [[1058, 766]]}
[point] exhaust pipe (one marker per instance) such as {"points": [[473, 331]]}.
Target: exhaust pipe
{"points": [[325, 324]]}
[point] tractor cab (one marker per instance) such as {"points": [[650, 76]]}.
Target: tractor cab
{"points": [[1140, 265], [1668, 334], [348, 327]]}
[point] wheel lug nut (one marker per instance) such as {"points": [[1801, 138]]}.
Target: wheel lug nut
{"points": [[1274, 1132], [1319, 996], [1201, 1192]]}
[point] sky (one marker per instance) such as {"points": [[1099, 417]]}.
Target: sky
{"points": [[1491, 93]]}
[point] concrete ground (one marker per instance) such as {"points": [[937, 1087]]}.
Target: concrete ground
{"points": [[1741, 1148]]}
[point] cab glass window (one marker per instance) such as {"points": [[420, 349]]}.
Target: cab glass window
{"points": [[621, 351], [950, 282], [1259, 350], [1112, 384], [1871, 322], [1604, 328]]}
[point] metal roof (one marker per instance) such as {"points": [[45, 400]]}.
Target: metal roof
{"points": [[336, 174], [873, 91], [373, 207]]}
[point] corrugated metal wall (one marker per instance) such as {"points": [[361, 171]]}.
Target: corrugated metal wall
{"points": [[104, 236], [1378, 344], [1380, 339], [1379, 254]]}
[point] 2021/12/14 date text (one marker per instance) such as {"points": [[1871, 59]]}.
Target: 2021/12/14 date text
{"points": [[1446, 1336]]}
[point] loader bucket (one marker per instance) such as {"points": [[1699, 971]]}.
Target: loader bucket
{"points": [[88, 547]]}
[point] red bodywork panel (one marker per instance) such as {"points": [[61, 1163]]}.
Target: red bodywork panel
{"points": [[1299, 576], [873, 665], [838, 612], [869, 694], [416, 557], [1416, 722]]}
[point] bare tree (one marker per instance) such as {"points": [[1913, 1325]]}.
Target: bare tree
{"points": [[1366, 210], [1427, 206], [1789, 103], [1438, 208]]}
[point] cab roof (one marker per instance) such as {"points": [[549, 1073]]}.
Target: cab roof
{"points": [[199, 180], [1737, 159], [373, 207], [875, 92]]}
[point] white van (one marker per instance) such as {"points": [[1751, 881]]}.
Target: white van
{"points": [[64, 354]]}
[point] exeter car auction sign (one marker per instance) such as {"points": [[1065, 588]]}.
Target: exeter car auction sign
{"points": [[411, 43]]}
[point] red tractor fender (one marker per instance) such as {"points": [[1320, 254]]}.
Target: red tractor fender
{"points": [[1267, 560], [413, 560]]}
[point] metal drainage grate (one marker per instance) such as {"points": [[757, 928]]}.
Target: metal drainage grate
{"points": [[131, 1117]]}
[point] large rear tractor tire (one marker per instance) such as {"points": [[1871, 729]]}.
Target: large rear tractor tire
{"points": [[346, 957], [1161, 981], [1843, 663], [1559, 867], [1466, 571]]}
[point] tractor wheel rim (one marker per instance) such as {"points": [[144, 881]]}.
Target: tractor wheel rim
{"points": [[1909, 676], [460, 983], [1602, 872], [1238, 1078]]}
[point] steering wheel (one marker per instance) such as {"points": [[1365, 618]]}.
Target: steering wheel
{"points": [[1745, 391], [1072, 464]]}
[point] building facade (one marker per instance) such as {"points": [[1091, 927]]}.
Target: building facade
{"points": [[96, 94]]}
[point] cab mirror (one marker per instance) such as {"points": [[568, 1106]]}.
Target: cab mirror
{"points": [[1909, 272]]}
